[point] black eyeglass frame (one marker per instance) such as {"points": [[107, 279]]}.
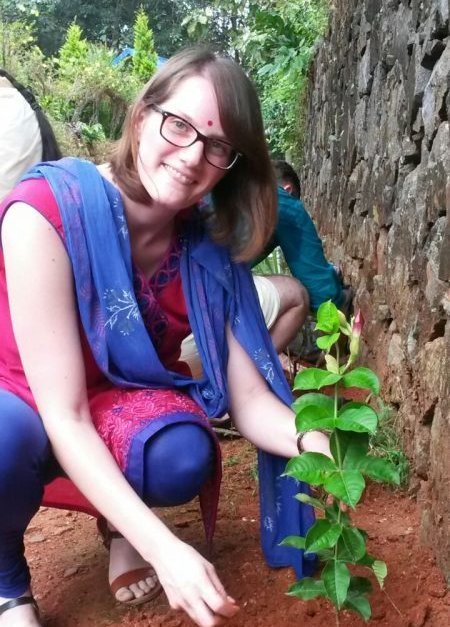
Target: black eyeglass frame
{"points": [[199, 137]]}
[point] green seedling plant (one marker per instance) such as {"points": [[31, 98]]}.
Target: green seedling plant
{"points": [[341, 479]]}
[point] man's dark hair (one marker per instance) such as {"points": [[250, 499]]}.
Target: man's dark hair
{"points": [[50, 148], [285, 173]]}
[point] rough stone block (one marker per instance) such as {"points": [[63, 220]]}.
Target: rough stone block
{"points": [[379, 188], [435, 93], [444, 257], [431, 53]]}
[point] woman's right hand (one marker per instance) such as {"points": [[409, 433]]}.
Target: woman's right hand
{"points": [[191, 584]]}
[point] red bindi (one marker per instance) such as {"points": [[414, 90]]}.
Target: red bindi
{"points": [[210, 123]]}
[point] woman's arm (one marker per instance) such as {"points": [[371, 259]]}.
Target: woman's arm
{"points": [[258, 414], [45, 322]]}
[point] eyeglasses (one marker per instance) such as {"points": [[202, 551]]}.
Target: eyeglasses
{"points": [[181, 133]]}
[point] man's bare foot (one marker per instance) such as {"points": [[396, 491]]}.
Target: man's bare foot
{"points": [[125, 559], [20, 616]]}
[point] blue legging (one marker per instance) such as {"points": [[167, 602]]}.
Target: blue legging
{"points": [[27, 463]]}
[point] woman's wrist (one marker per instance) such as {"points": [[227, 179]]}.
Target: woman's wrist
{"points": [[313, 441]]}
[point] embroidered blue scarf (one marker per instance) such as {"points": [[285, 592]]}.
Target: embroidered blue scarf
{"points": [[217, 291]]}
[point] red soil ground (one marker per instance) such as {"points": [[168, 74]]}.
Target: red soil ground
{"points": [[69, 564]]}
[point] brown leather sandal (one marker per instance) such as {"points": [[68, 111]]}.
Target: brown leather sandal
{"points": [[132, 576], [28, 600]]}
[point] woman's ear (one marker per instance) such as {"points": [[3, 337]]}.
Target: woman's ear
{"points": [[139, 123]]}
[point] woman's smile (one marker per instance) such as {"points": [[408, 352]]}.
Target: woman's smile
{"points": [[178, 176]]}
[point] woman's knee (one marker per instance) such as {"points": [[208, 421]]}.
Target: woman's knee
{"points": [[21, 426], [179, 460], [24, 445]]}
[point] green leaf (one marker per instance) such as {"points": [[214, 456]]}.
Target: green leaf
{"points": [[336, 578], [297, 542], [307, 588], [359, 585], [325, 555], [348, 447], [361, 378], [332, 364], [322, 535], [313, 468], [315, 378], [346, 485], [324, 342], [311, 418], [357, 417], [367, 560], [351, 546], [327, 318], [359, 604], [379, 470], [309, 500], [380, 571], [315, 399]]}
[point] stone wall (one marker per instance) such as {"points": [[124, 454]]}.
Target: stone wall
{"points": [[376, 178]]}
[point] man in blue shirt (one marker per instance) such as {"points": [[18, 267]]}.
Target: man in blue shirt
{"points": [[286, 301]]}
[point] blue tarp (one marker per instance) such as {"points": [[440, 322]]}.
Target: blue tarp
{"points": [[129, 52]]}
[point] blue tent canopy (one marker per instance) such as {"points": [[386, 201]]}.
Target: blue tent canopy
{"points": [[129, 52]]}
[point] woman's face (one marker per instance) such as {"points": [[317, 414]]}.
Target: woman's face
{"points": [[176, 177]]}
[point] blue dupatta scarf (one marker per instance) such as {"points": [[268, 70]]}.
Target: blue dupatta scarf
{"points": [[217, 291]]}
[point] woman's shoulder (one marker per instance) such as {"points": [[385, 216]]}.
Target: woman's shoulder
{"points": [[38, 194]]}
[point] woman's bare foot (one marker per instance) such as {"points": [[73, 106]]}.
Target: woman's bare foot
{"points": [[125, 559], [21, 616]]}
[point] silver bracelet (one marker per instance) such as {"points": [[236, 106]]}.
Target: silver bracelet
{"points": [[300, 436]]}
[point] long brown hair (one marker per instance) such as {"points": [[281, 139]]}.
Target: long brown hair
{"points": [[245, 205]]}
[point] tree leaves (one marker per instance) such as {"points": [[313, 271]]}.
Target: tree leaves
{"points": [[333, 538], [351, 546], [307, 588], [328, 319], [325, 342], [311, 418], [315, 379], [357, 417], [361, 378], [346, 485], [313, 468], [297, 542], [336, 579], [322, 535], [380, 571], [379, 470], [314, 399], [348, 448], [309, 500]]}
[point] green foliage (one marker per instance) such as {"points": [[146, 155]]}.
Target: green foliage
{"points": [[85, 97], [385, 442], [73, 52], [88, 93], [274, 263], [145, 57], [342, 477], [17, 41], [278, 49], [274, 41]]}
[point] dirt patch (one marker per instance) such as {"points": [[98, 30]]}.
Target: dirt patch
{"points": [[69, 564]]}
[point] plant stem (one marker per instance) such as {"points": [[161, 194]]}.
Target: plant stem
{"points": [[393, 604], [338, 447]]}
